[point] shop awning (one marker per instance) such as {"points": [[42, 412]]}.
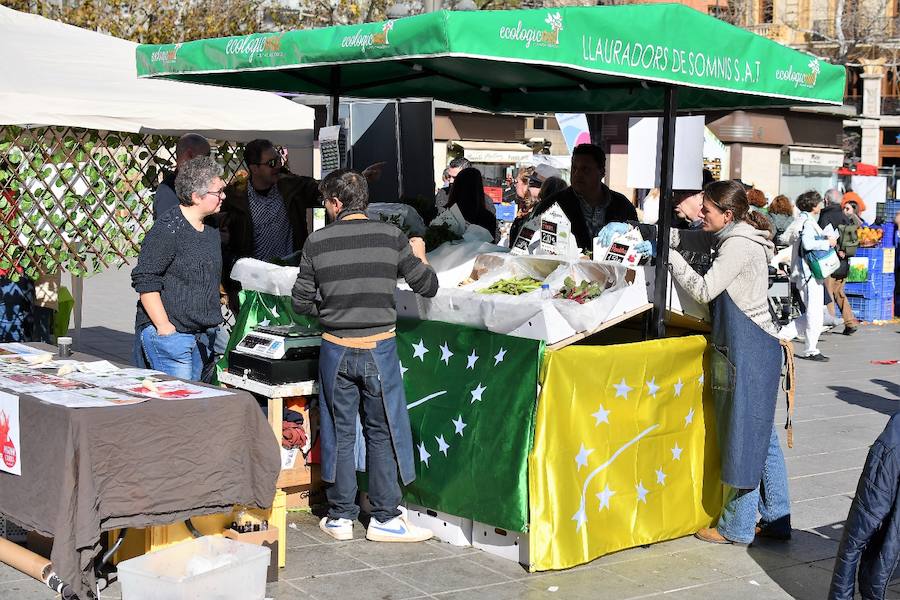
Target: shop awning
{"points": [[494, 152], [573, 59], [818, 157]]}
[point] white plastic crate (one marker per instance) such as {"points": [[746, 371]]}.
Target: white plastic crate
{"points": [[454, 530], [206, 567], [510, 545]]}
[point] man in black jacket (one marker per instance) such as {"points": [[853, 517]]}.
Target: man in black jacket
{"points": [[871, 537], [833, 214], [588, 202]]}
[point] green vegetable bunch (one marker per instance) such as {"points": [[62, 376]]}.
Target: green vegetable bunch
{"points": [[579, 292], [436, 235], [514, 286]]}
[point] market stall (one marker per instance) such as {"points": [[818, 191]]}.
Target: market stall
{"points": [[617, 450], [96, 450]]}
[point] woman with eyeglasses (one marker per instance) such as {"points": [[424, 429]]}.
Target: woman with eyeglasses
{"points": [[177, 276]]}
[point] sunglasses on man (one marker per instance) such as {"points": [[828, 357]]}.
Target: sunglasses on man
{"points": [[272, 162]]}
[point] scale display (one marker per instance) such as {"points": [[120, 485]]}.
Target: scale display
{"points": [[277, 341]]}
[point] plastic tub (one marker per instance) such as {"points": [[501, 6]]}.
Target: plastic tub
{"points": [[207, 568]]}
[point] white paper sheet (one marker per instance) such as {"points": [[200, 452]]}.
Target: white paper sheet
{"points": [[174, 390], [88, 398]]}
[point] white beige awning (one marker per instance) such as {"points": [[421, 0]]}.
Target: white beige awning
{"points": [[818, 157], [493, 152]]}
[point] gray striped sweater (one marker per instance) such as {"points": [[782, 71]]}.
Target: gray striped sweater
{"points": [[354, 266]]}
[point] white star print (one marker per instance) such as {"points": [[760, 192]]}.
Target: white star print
{"points": [[442, 445], [676, 452], [652, 388], [403, 370], [471, 360], [500, 356], [582, 457], [689, 418], [602, 415], [423, 454], [459, 425], [264, 322], [678, 387], [700, 379], [604, 497], [641, 492], [476, 393], [446, 354], [419, 350], [660, 476], [580, 517], [622, 389]]}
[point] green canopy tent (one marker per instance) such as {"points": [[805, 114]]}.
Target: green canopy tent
{"points": [[655, 58]]}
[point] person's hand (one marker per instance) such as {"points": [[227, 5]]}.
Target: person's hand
{"points": [[644, 248], [373, 171], [418, 247], [166, 329], [832, 242], [611, 231]]}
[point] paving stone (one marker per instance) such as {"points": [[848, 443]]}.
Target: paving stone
{"points": [[745, 588], [450, 574], [26, 589], [321, 560], [804, 582], [598, 583], [283, 590], [365, 584], [386, 554], [8, 574], [666, 573]]}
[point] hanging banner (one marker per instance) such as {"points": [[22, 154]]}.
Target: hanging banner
{"points": [[574, 127], [10, 458]]}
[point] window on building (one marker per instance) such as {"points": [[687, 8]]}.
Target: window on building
{"points": [[766, 11], [540, 123], [890, 137]]}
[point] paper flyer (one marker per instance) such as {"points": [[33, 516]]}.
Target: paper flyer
{"points": [[22, 353], [88, 398], [174, 390], [118, 379], [10, 456], [26, 383]]}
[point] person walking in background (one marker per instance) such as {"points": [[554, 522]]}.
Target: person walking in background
{"points": [[807, 236], [781, 214], [468, 194], [177, 276], [832, 216], [552, 185], [348, 273], [442, 198]]}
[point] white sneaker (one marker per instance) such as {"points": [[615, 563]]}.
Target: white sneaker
{"points": [[339, 529], [398, 529]]}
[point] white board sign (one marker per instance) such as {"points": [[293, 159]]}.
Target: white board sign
{"points": [[10, 449], [872, 190], [645, 150]]}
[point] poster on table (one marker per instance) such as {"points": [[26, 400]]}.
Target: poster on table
{"points": [[174, 390], [10, 458]]}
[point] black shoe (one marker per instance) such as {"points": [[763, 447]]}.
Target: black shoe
{"points": [[780, 529], [815, 357], [849, 330]]}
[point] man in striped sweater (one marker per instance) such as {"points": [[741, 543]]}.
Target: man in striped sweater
{"points": [[353, 264]]}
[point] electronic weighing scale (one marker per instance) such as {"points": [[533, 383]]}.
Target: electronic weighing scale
{"points": [[277, 354]]}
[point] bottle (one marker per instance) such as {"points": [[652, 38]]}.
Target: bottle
{"points": [[545, 291], [64, 347]]}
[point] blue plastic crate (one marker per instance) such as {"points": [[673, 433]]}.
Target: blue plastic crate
{"points": [[506, 212], [872, 309], [887, 241], [879, 285]]}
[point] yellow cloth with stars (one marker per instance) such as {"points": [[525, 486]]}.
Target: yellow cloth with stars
{"points": [[625, 450]]}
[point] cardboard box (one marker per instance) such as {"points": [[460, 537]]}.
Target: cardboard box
{"points": [[267, 539]]}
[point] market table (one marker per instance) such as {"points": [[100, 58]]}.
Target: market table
{"points": [[90, 470]]}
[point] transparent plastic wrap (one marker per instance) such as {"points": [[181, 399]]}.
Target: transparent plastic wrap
{"points": [[264, 277]]}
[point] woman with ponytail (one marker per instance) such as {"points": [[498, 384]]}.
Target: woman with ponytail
{"points": [[745, 364]]}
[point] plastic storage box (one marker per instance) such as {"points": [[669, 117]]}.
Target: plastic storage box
{"points": [[211, 568], [872, 309]]}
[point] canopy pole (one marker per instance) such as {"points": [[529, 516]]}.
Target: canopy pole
{"points": [[335, 95], [658, 326]]}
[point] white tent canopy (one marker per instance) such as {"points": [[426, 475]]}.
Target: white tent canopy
{"points": [[57, 74]]}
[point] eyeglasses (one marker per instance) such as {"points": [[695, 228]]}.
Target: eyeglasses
{"points": [[219, 194], [272, 162]]}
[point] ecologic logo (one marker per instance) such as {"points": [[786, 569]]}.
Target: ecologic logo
{"points": [[256, 46], [538, 37], [807, 80], [165, 56], [369, 40]]}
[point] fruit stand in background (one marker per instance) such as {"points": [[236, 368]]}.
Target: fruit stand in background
{"points": [[870, 282]]}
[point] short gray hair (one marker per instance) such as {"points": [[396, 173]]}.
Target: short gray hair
{"points": [[833, 196], [195, 177]]}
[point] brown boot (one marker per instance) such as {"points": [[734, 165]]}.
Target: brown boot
{"points": [[712, 535]]}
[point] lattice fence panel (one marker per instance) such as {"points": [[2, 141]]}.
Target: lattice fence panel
{"points": [[81, 200]]}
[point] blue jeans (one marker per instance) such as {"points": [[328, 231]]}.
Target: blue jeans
{"points": [[358, 391], [770, 498], [181, 355]]}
